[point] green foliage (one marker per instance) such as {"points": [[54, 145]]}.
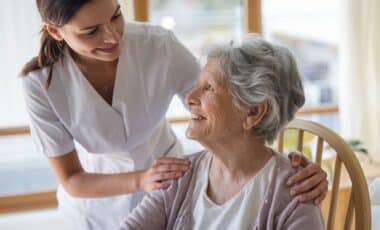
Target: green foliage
{"points": [[290, 142], [356, 146]]}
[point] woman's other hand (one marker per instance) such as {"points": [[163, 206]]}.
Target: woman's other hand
{"points": [[162, 170], [310, 182]]}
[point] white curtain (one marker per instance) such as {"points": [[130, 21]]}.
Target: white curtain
{"points": [[19, 41], [359, 82]]}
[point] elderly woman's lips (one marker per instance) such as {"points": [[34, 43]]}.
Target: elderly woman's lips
{"points": [[197, 117]]}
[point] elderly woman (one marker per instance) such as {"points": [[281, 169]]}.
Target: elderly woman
{"points": [[244, 96]]}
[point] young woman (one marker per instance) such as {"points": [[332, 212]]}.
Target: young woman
{"points": [[107, 86]]}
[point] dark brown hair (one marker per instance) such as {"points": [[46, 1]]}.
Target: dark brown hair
{"points": [[57, 13]]}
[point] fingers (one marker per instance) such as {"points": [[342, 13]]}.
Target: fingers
{"points": [[157, 180], [297, 159], [319, 199], [171, 167], [160, 185], [306, 185], [318, 193], [166, 176], [311, 184], [304, 173], [166, 168], [304, 161], [171, 160]]}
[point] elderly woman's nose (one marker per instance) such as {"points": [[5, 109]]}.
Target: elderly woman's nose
{"points": [[191, 98]]}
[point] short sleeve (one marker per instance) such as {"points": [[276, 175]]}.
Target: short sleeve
{"points": [[49, 135], [184, 69]]}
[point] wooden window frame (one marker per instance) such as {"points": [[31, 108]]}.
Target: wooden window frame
{"points": [[253, 17], [141, 10]]}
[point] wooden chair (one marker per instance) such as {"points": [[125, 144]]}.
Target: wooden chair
{"points": [[358, 203]]}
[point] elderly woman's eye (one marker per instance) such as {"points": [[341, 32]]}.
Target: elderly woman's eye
{"points": [[208, 87]]}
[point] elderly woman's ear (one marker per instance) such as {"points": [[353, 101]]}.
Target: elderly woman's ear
{"points": [[255, 115]]}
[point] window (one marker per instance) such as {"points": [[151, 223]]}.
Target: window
{"points": [[198, 24], [311, 30]]}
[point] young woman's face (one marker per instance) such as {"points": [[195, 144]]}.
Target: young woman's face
{"points": [[95, 31]]}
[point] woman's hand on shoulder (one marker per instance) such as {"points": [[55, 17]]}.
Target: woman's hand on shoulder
{"points": [[310, 182], [162, 170]]}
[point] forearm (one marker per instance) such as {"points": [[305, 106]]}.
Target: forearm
{"points": [[93, 185], [83, 184]]}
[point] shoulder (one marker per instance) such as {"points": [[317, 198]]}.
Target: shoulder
{"points": [[280, 174], [289, 208], [38, 78], [182, 184], [284, 163], [35, 79], [283, 168], [177, 196], [195, 158]]}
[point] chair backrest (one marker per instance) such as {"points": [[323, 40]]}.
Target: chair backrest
{"points": [[358, 204]]}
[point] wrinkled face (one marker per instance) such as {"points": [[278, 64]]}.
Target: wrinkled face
{"points": [[95, 31], [214, 116]]}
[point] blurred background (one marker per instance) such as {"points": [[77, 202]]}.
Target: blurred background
{"points": [[336, 43]]}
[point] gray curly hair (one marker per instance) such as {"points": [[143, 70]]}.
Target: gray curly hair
{"points": [[258, 71]]}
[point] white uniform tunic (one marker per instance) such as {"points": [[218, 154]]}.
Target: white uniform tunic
{"points": [[153, 66]]}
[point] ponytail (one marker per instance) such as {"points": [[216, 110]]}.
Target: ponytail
{"points": [[50, 52]]}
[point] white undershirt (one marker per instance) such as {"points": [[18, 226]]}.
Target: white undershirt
{"points": [[240, 211]]}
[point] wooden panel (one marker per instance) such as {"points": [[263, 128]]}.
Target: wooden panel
{"points": [[178, 120], [141, 10], [14, 131], [318, 110], [27, 202], [253, 16]]}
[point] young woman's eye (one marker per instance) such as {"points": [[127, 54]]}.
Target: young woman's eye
{"points": [[92, 32]]}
